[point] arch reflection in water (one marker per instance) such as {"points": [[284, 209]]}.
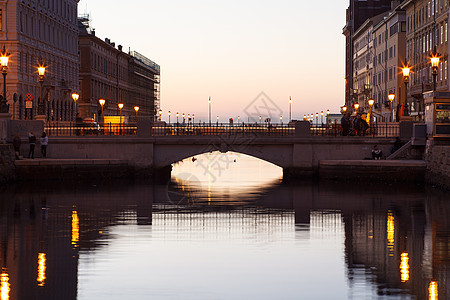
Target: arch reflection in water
{"points": [[224, 177]]}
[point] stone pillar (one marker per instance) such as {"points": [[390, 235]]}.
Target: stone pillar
{"points": [[144, 128], [302, 129]]}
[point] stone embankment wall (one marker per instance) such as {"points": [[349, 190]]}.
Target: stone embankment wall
{"points": [[7, 168], [438, 165]]}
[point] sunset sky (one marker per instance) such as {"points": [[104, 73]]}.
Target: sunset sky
{"points": [[234, 50]]}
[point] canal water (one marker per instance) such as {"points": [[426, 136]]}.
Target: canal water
{"points": [[226, 227]]}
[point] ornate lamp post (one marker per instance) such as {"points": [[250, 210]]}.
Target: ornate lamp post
{"points": [[217, 121], [177, 116], [169, 113], [184, 117], [75, 98], [281, 120], [356, 107], [406, 70], [120, 105], [391, 98], [344, 109], [41, 71], [193, 119], [160, 115], [102, 102], [136, 109], [4, 58], [259, 120], [434, 68], [371, 102], [321, 117], [328, 115]]}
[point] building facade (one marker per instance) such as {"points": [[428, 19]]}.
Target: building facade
{"points": [[362, 62], [427, 33], [40, 33], [389, 44], [356, 14], [108, 73]]}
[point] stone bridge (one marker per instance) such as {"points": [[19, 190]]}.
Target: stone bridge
{"points": [[297, 154]]}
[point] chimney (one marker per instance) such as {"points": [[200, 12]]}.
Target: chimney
{"points": [[119, 47]]}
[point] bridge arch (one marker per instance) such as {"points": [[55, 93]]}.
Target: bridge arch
{"points": [[166, 155]]}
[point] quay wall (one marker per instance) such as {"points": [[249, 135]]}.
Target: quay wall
{"points": [[7, 168], [437, 158]]}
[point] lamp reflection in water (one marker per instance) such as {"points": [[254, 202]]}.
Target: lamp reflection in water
{"points": [[75, 229], [433, 291], [4, 285], [390, 233], [42, 267], [404, 267]]}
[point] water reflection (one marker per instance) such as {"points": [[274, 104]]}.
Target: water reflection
{"points": [[179, 242]]}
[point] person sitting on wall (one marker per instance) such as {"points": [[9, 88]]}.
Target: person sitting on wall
{"points": [[376, 153]]}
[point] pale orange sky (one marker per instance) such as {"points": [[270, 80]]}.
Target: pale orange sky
{"points": [[233, 51]]}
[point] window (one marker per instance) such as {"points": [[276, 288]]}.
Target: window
{"points": [[390, 73], [390, 52], [1, 20], [442, 34]]}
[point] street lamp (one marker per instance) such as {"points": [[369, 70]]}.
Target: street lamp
{"points": [[209, 102], [169, 113], [120, 105], [356, 107], [41, 71], [290, 109], [281, 120], [434, 68], [259, 120], [184, 116], [193, 119], [406, 70], [4, 58], [328, 116], [371, 102], [321, 117], [75, 98], [344, 109], [160, 115], [136, 109], [102, 102], [391, 98]]}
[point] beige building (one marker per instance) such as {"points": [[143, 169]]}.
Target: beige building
{"points": [[389, 38], [427, 31], [40, 32]]}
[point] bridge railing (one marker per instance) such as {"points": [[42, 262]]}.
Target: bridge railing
{"points": [[89, 129], [179, 129], [216, 129], [376, 130]]}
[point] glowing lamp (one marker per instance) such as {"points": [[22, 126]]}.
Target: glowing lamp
{"points": [[406, 71], [120, 105], [371, 102], [356, 106], [75, 96], [391, 97]]}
